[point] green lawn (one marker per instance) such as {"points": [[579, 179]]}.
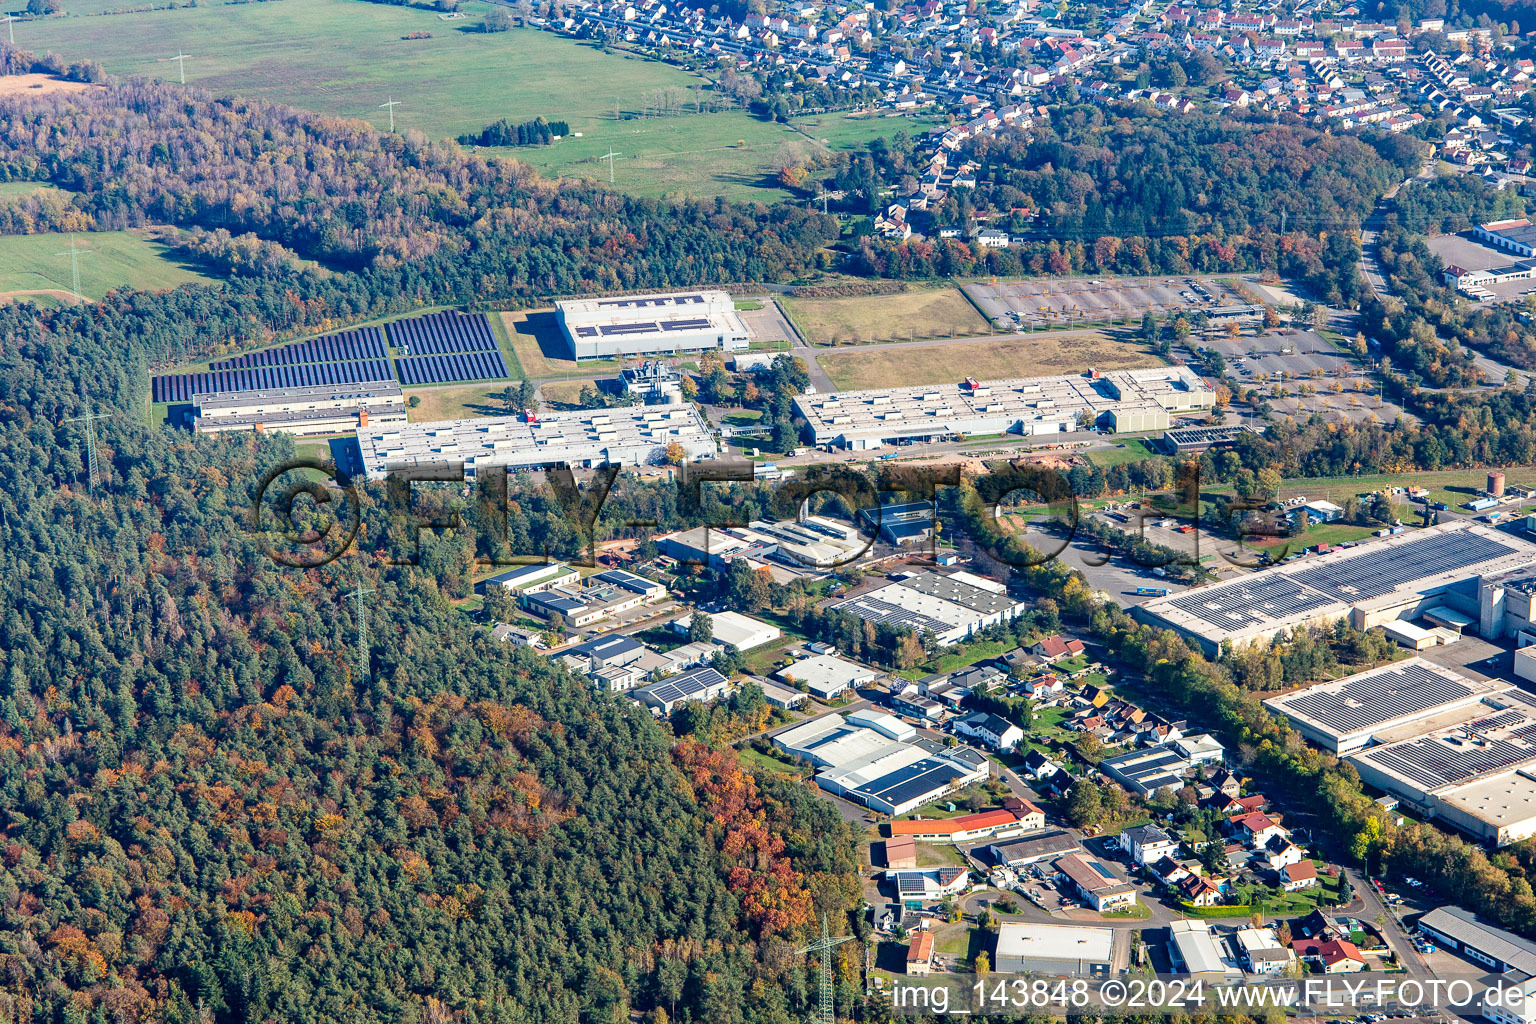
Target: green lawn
{"points": [[969, 654], [1135, 450], [108, 259], [733, 153], [346, 57]]}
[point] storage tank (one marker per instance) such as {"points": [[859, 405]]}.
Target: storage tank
{"points": [[1496, 485]]}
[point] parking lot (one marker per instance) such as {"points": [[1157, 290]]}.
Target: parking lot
{"points": [[1059, 301], [1468, 253]]}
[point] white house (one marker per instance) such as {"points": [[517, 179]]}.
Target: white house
{"points": [[993, 730], [1146, 844]]}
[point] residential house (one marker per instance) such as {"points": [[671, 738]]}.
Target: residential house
{"points": [[993, 730], [1055, 647], [1199, 891], [1301, 875], [1333, 956], [1145, 844], [920, 953]]}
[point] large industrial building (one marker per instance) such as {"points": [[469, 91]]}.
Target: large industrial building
{"points": [[1123, 400], [632, 436], [649, 325], [1515, 236], [951, 606], [1055, 949], [319, 409], [881, 762], [1400, 577], [1478, 776], [1401, 700]]}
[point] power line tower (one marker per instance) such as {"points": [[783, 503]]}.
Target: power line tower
{"points": [[74, 255], [609, 157], [92, 467], [10, 24], [363, 660], [824, 946], [392, 104]]}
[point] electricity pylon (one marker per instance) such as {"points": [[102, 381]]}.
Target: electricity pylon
{"points": [[824, 946]]}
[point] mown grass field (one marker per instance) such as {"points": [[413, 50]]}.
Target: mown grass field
{"points": [[109, 259], [540, 347], [457, 403], [1020, 356], [346, 57], [920, 313]]}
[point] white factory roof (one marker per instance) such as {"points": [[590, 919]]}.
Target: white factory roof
{"points": [[1197, 948], [623, 435], [1055, 942], [833, 741], [957, 407], [827, 672], [627, 317], [740, 631]]}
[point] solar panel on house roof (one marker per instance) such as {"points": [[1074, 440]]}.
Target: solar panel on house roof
{"points": [[1376, 573]]}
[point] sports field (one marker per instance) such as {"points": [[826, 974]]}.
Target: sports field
{"points": [[108, 259], [346, 57], [921, 313], [940, 362]]}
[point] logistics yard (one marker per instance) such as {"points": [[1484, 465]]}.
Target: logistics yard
{"points": [[1061, 301]]}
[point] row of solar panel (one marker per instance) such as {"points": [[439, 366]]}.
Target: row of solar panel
{"points": [[446, 368], [442, 333], [181, 387], [362, 343]]}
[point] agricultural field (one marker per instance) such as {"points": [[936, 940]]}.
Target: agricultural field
{"points": [[1019, 356], [941, 312], [39, 265], [346, 57]]}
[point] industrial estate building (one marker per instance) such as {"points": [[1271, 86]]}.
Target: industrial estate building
{"points": [[645, 325], [1514, 236], [1400, 577], [815, 542], [1123, 400], [1479, 775], [319, 409], [1053, 949], [632, 436], [951, 606], [1379, 705], [879, 761], [1445, 745]]}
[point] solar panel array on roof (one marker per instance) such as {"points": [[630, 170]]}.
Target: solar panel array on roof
{"points": [[180, 387], [441, 369], [698, 324], [1238, 605], [442, 333], [1379, 697], [1433, 763], [1380, 572], [872, 609], [1502, 720], [662, 300], [909, 783], [686, 686], [361, 343], [911, 883]]}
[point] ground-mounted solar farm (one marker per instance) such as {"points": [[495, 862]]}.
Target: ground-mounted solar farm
{"points": [[438, 348]]}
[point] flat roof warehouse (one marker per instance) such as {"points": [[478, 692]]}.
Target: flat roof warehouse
{"points": [[633, 436], [655, 324], [1123, 399], [1399, 577]]}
